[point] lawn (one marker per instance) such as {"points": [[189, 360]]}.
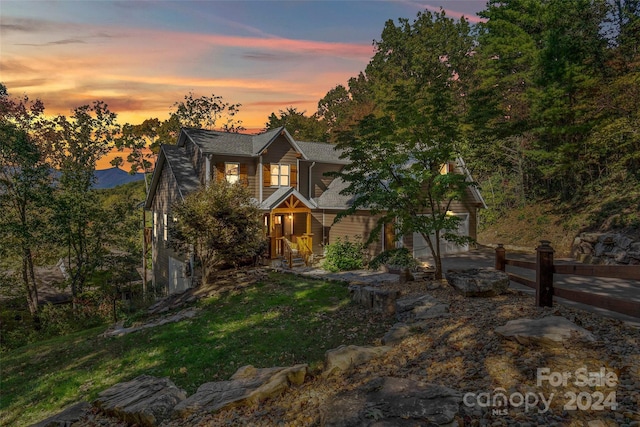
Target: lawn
{"points": [[281, 321]]}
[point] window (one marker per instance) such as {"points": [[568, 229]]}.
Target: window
{"points": [[280, 175], [156, 227], [449, 167], [166, 227], [232, 172]]}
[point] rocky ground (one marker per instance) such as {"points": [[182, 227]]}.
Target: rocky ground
{"points": [[460, 350]]}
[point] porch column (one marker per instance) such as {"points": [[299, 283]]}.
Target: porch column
{"points": [[272, 240], [308, 222]]}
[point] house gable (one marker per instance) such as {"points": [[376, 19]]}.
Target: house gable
{"points": [[289, 195]]}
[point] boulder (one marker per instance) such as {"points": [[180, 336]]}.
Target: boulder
{"points": [[408, 303], [145, 400], [478, 282], [420, 307], [590, 237], [396, 334], [70, 415], [426, 312], [390, 401], [119, 330], [248, 385], [551, 331], [400, 331], [382, 300], [344, 358]]}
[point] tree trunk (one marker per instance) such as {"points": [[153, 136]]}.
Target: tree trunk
{"points": [[435, 252], [29, 281], [438, 262]]}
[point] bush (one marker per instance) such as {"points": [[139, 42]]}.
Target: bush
{"points": [[399, 257], [345, 255]]}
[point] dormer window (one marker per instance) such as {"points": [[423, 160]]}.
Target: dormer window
{"points": [[232, 172], [279, 175]]}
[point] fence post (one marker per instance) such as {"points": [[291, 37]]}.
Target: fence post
{"points": [[544, 274], [501, 255]]}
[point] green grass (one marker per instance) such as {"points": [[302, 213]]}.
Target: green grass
{"points": [[283, 321]]}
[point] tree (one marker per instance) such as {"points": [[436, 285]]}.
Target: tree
{"points": [[396, 157], [301, 127], [342, 108], [116, 162], [206, 112], [220, 224], [540, 66], [138, 139], [80, 141], [24, 189]]}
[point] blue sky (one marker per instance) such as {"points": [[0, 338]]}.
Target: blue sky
{"points": [[142, 56]]}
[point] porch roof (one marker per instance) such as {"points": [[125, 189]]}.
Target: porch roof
{"points": [[280, 195]]}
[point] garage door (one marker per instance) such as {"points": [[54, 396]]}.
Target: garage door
{"points": [[421, 249]]}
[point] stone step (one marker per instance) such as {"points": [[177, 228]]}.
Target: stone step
{"points": [[295, 262]]}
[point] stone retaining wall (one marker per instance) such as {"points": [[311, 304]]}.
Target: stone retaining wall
{"points": [[607, 248]]}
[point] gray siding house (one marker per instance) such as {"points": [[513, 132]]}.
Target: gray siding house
{"points": [[287, 179]]}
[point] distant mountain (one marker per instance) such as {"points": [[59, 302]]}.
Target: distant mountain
{"points": [[109, 178]]}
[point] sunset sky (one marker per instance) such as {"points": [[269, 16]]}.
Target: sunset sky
{"points": [[142, 56]]}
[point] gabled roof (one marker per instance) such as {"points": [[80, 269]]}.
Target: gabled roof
{"points": [[234, 144], [321, 152], [281, 194], [214, 142], [331, 197], [179, 166], [474, 189], [263, 140], [239, 144]]}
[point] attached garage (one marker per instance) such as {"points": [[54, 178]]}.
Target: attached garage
{"points": [[421, 249]]}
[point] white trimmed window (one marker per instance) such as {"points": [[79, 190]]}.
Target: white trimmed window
{"points": [[166, 227], [280, 175], [232, 172], [156, 227]]}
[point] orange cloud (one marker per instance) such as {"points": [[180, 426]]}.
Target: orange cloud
{"points": [[140, 73]]}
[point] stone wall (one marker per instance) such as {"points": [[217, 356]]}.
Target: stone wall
{"points": [[621, 248]]}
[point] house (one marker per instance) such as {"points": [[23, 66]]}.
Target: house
{"points": [[287, 179]]}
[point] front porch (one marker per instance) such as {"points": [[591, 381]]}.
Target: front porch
{"points": [[288, 228]]}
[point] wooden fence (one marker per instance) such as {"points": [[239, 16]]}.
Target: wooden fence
{"points": [[545, 269]]}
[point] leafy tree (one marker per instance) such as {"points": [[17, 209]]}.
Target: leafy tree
{"points": [[539, 68], [116, 162], [80, 141], [138, 139], [396, 158], [206, 112], [342, 108], [220, 224], [301, 127], [24, 189]]}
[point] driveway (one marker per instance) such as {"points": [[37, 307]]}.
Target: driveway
{"points": [[617, 288]]}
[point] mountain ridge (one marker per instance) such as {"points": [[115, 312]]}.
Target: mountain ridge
{"points": [[113, 177]]}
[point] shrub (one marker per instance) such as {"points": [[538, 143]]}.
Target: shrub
{"points": [[399, 257], [345, 255]]}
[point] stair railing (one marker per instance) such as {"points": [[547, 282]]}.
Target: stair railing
{"points": [[290, 249], [305, 245]]}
